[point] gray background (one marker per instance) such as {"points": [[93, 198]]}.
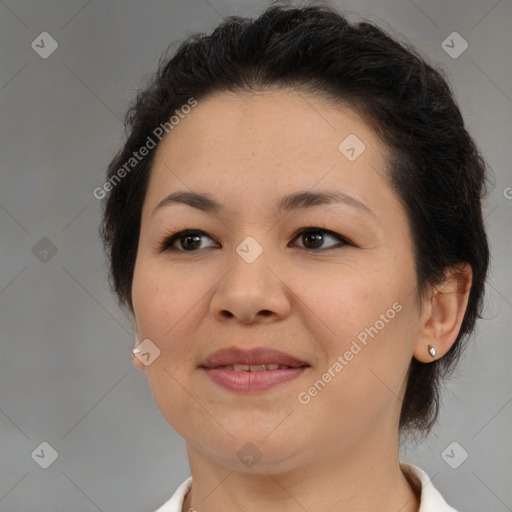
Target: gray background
{"points": [[66, 373]]}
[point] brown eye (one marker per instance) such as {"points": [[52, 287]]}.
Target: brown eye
{"points": [[190, 242], [184, 241], [314, 238]]}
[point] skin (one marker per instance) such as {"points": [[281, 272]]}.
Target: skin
{"points": [[340, 450]]}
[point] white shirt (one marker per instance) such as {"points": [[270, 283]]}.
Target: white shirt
{"points": [[431, 500]]}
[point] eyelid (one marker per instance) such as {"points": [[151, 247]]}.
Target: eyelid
{"points": [[166, 241], [313, 229]]}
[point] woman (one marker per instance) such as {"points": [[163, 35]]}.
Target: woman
{"points": [[295, 223]]}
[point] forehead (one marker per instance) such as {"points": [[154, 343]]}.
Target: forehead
{"points": [[248, 144], [280, 120]]}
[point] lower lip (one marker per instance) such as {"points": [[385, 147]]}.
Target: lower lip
{"points": [[252, 382]]}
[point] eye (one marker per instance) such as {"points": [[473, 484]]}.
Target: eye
{"points": [[187, 240], [315, 237]]}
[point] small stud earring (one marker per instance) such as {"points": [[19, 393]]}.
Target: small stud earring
{"points": [[136, 350], [432, 351]]}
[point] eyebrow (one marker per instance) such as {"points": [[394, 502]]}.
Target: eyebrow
{"points": [[296, 201]]}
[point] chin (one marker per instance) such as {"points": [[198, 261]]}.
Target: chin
{"points": [[255, 452]]}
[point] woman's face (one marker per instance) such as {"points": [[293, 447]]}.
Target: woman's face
{"points": [[246, 278]]}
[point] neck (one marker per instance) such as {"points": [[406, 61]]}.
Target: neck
{"points": [[365, 477]]}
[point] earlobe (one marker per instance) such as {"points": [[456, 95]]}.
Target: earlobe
{"points": [[443, 317], [135, 351]]}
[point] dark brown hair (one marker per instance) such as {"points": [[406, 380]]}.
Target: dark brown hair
{"points": [[435, 168]]}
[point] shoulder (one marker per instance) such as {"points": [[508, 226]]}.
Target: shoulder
{"points": [[431, 499], [175, 504]]}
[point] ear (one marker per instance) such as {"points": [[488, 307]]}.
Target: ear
{"points": [[136, 361], [442, 315]]}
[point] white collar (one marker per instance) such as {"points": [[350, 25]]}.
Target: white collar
{"points": [[431, 499]]}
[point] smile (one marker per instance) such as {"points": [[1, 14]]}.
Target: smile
{"points": [[254, 367], [245, 378]]}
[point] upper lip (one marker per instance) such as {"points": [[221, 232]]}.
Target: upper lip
{"points": [[259, 355]]}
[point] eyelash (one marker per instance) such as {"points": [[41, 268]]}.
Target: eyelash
{"points": [[165, 244]]}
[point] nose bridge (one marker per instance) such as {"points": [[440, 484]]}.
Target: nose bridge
{"points": [[252, 287], [249, 249], [252, 229], [250, 262]]}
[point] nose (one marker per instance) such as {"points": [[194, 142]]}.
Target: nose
{"points": [[252, 292]]}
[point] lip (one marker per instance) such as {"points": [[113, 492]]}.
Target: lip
{"points": [[251, 381], [259, 355]]}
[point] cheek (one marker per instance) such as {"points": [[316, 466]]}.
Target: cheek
{"points": [[165, 300], [362, 382], [345, 303], [366, 320], [166, 308]]}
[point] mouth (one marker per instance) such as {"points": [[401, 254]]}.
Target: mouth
{"points": [[250, 371], [255, 367]]}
